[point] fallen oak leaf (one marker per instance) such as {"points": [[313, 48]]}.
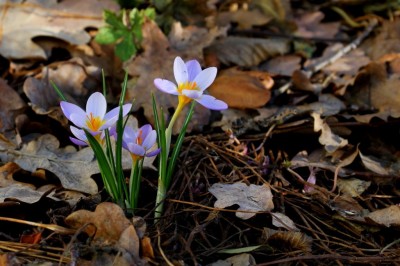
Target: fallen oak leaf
{"points": [[251, 198], [73, 168], [107, 230]]}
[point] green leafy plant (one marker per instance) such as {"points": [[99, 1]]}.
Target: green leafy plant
{"points": [[125, 30]]}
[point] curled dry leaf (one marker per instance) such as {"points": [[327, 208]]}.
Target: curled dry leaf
{"points": [[389, 216], [11, 104], [242, 89], [107, 229], [331, 141], [251, 198]]}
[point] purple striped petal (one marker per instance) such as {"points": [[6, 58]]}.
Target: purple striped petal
{"points": [[153, 153], [194, 68], [150, 140]]}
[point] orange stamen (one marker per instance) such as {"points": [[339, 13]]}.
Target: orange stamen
{"points": [[94, 122]]}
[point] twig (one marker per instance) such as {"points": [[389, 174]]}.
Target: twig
{"points": [[309, 71]]}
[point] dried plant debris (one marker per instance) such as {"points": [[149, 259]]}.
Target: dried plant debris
{"points": [[251, 199]]}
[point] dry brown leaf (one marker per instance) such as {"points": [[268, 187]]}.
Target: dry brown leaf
{"points": [[74, 169], [242, 89], [129, 241], [389, 216], [376, 87], [385, 42], [382, 165], [310, 26], [353, 187], [243, 259], [283, 221], [331, 141], [282, 65], [107, 230], [244, 19], [11, 104], [11, 189], [249, 198], [246, 52], [66, 20], [75, 80]]}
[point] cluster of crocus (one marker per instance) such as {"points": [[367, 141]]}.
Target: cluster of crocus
{"points": [[94, 127], [191, 82]]}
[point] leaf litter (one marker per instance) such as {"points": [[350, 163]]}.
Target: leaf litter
{"points": [[303, 167]]}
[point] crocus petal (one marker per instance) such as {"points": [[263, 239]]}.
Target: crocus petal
{"points": [[166, 86], [180, 71], [149, 141], [194, 68], [78, 119], [96, 105], [70, 108], [153, 153], [129, 134], [211, 103], [78, 142], [136, 149], [146, 129], [193, 94], [111, 117], [205, 78], [79, 133]]}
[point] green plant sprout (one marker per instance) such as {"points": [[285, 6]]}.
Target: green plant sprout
{"points": [[125, 30]]}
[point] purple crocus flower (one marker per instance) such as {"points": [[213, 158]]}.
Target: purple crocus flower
{"points": [[192, 82], [94, 119], [139, 142]]}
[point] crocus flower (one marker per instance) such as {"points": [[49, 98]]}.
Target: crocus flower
{"points": [[139, 142], [192, 82], [94, 119], [80, 136]]}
